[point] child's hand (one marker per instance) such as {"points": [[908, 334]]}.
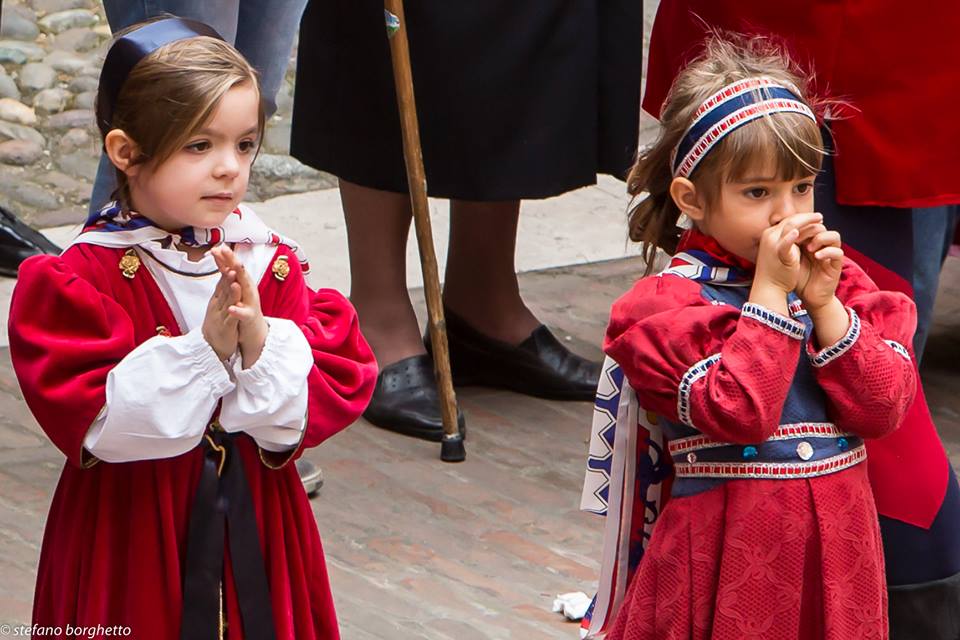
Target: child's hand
{"points": [[252, 327], [219, 326], [778, 257], [821, 263]]}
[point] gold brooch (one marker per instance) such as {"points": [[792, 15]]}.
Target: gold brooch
{"points": [[281, 268], [129, 264], [163, 331]]}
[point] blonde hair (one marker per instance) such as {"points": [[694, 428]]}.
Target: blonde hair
{"points": [[171, 93], [790, 141]]}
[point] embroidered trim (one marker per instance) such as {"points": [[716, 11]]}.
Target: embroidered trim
{"points": [[771, 470], [784, 325], [692, 374], [783, 432], [899, 348], [796, 309], [841, 346], [734, 120]]}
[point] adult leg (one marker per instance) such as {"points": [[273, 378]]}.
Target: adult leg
{"points": [[933, 231], [481, 277], [405, 398], [265, 33], [377, 226], [495, 340]]}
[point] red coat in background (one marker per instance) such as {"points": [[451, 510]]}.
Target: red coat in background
{"points": [[899, 66], [115, 542]]}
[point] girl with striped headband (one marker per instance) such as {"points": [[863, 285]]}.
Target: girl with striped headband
{"points": [[766, 359]]}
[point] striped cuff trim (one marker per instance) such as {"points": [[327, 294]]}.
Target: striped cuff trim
{"points": [[692, 374], [899, 348], [841, 346], [783, 324]]}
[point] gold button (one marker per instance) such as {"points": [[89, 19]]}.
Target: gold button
{"points": [[129, 264], [281, 268]]}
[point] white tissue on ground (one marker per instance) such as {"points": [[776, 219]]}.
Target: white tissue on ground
{"points": [[572, 605]]}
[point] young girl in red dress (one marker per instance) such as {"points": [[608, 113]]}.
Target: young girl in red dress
{"points": [[176, 356], [767, 358]]}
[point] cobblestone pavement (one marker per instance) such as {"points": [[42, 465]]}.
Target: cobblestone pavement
{"points": [[471, 551], [50, 57]]}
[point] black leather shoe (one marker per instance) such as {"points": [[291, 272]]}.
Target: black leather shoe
{"points": [[405, 400], [18, 242], [539, 366]]}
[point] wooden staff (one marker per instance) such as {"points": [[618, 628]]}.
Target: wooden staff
{"points": [[451, 449]]}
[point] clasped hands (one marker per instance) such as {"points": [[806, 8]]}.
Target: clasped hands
{"points": [[801, 255], [234, 318]]}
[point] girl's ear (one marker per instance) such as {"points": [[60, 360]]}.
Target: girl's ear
{"points": [[685, 196], [122, 151]]}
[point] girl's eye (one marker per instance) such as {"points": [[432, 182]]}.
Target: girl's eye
{"points": [[247, 146], [202, 145], [756, 193], [804, 188]]}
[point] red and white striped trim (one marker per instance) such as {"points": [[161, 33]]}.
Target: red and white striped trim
{"points": [[736, 119], [771, 470], [783, 432], [732, 91]]}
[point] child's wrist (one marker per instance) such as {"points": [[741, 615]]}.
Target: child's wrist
{"points": [[830, 307], [769, 296]]}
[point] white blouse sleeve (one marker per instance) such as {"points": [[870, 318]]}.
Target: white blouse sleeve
{"points": [[160, 398], [269, 402]]}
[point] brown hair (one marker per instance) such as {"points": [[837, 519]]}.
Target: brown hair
{"points": [[172, 92], [790, 140]]}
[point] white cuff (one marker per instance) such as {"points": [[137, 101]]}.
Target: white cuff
{"points": [[160, 398], [270, 399], [783, 324], [828, 354], [691, 375]]}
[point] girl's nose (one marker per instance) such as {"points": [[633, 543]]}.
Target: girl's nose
{"points": [[783, 208], [228, 166]]}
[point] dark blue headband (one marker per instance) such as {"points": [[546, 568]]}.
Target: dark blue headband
{"points": [[128, 50]]}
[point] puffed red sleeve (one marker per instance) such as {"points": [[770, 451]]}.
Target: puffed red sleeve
{"points": [[868, 375], [344, 371], [65, 337], [724, 371]]}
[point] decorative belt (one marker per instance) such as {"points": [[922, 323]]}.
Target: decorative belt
{"points": [[802, 450], [222, 502]]}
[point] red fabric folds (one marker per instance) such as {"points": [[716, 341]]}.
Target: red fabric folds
{"points": [[114, 546]]}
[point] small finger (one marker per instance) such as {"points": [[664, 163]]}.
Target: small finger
{"points": [[829, 253]]}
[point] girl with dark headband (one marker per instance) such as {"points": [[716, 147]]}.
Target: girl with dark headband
{"points": [[176, 356], [765, 358]]}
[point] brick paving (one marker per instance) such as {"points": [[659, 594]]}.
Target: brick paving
{"points": [[422, 549]]}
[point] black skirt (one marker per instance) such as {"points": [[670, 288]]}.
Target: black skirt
{"points": [[515, 98]]}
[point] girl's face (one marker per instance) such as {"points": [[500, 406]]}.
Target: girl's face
{"points": [[747, 207], [201, 183]]}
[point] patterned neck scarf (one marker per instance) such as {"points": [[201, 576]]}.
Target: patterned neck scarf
{"points": [[113, 227], [699, 257]]}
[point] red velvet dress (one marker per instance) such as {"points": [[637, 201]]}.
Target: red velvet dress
{"points": [[777, 559], [115, 542]]}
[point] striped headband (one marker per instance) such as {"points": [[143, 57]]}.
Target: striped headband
{"points": [[730, 108]]}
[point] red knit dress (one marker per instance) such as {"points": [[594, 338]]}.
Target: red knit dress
{"points": [[761, 558]]}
